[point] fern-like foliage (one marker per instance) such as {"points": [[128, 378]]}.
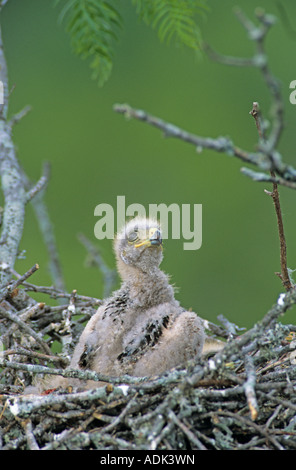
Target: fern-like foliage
{"points": [[174, 19], [93, 26]]}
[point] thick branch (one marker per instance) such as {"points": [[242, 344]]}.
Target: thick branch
{"points": [[12, 185]]}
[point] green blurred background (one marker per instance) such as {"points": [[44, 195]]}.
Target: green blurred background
{"points": [[96, 154]]}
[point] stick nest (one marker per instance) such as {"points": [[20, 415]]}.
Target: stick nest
{"points": [[241, 398]]}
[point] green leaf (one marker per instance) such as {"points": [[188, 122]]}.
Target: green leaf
{"points": [[92, 27], [93, 24], [173, 19]]}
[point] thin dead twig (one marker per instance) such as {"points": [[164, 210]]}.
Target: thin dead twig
{"points": [[249, 387], [284, 275], [109, 275], [185, 429], [25, 328], [24, 352]]}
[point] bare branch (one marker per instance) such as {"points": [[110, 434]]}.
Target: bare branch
{"points": [[258, 35], [221, 144], [55, 293], [12, 184], [284, 276], [25, 328], [40, 185], [264, 158], [109, 275], [19, 116], [22, 278], [263, 178]]}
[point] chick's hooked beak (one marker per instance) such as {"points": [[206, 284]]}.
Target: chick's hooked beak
{"points": [[154, 239]]}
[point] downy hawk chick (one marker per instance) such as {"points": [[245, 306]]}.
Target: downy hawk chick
{"points": [[141, 330]]}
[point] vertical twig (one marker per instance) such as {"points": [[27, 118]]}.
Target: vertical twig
{"points": [[31, 440], [249, 387], [284, 274], [66, 331]]}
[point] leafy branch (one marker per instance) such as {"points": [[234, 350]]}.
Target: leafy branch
{"points": [[173, 19], [93, 27]]}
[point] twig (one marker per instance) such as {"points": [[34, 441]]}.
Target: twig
{"points": [[284, 275], [215, 329], [10, 287], [23, 351], [284, 303], [71, 373], [229, 60], [109, 275], [255, 112], [221, 144], [263, 177], [23, 316], [65, 327], [273, 416], [69, 434], [246, 422], [18, 116], [186, 431], [264, 158], [32, 443], [231, 328], [121, 416], [56, 293], [25, 405], [22, 278], [25, 328], [270, 158], [39, 186], [258, 35], [47, 231], [202, 406], [249, 387]]}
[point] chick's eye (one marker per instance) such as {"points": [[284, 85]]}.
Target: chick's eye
{"points": [[132, 237]]}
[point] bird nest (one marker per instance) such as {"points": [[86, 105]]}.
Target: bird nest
{"points": [[243, 397]]}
